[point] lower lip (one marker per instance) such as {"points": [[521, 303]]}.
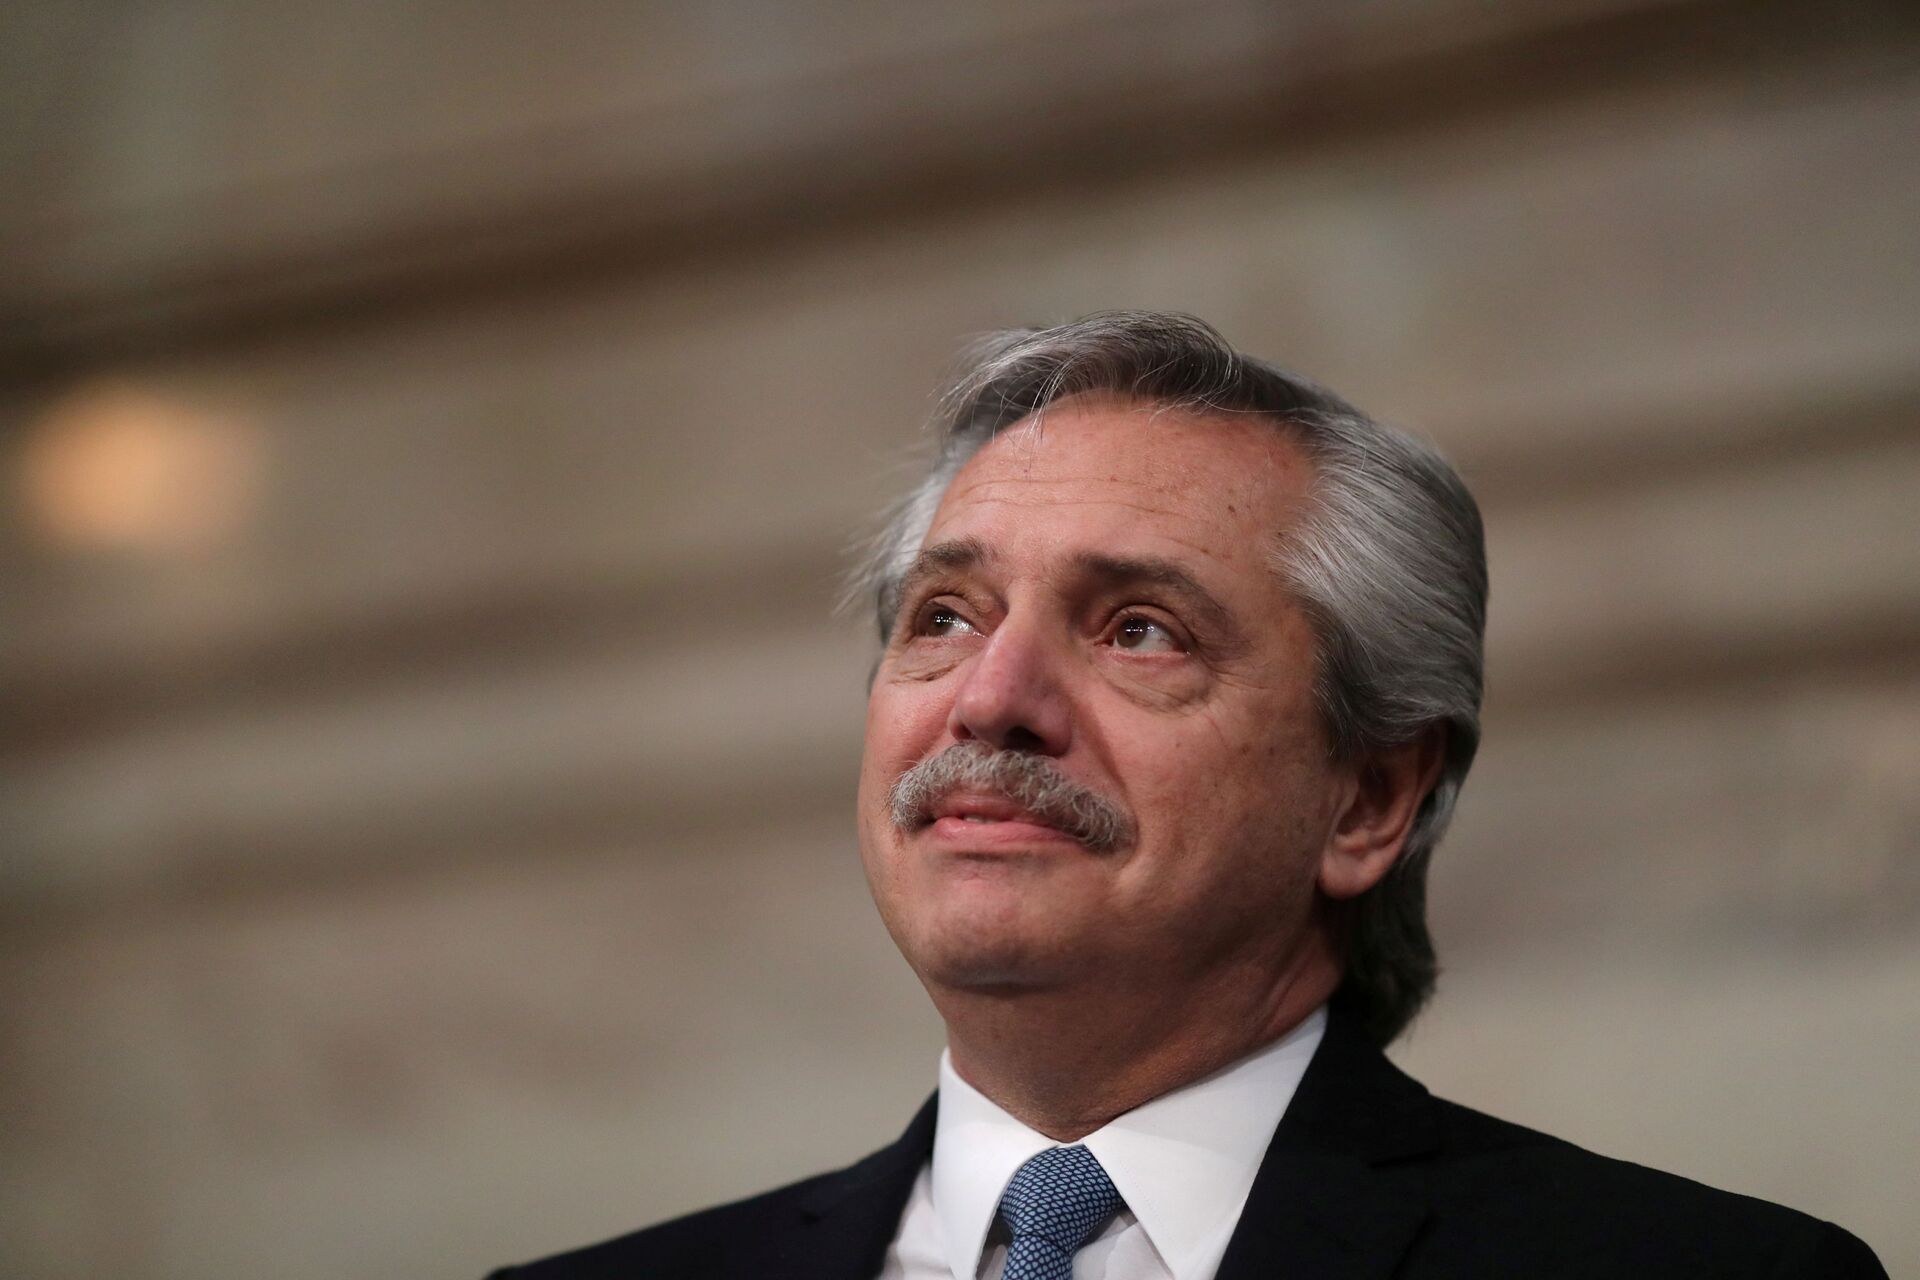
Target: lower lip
{"points": [[986, 837]]}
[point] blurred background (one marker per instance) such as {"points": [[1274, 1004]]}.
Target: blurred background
{"points": [[430, 434]]}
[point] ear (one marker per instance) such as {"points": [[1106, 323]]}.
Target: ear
{"points": [[1388, 788]]}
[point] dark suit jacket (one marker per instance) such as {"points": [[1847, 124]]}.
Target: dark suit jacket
{"points": [[1368, 1176]]}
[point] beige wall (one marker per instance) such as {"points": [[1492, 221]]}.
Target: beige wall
{"points": [[431, 435]]}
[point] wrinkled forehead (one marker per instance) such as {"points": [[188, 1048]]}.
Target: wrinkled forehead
{"points": [[1117, 467]]}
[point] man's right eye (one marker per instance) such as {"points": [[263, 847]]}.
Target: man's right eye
{"points": [[939, 620]]}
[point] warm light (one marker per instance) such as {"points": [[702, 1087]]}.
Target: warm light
{"points": [[119, 467]]}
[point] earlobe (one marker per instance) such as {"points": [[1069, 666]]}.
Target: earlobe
{"points": [[1389, 787]]}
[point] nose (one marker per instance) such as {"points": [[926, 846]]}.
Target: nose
{"points": [[1011, 696]]}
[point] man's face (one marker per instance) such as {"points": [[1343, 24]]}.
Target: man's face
{"points": [[1094, 596]]}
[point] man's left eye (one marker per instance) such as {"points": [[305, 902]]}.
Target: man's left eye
{"points": [[1143, 635]]}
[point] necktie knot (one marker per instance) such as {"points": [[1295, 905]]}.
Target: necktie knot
{"points": [[1054, 1202]]}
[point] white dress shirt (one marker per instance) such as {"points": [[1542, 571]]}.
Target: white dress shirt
{"points": [[1183, 1163]]}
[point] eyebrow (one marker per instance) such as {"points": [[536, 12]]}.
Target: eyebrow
{"points": [[941, 557], [1123, 571]]}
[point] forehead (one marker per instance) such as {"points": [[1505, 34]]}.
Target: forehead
{"points": [[1119, 472]]}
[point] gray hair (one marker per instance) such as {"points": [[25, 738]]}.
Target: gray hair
{"points": [[1388, 562]]}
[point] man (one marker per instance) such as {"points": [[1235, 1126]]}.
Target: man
{"points": [[1181, 677]]}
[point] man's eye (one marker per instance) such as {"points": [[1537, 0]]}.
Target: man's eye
{"points": [[1143, 635], [941, 621]]}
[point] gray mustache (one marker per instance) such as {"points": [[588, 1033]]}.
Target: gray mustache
{"points": [[1032, 782]]}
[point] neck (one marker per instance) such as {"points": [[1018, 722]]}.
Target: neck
{"points": [[1065, 1061]]}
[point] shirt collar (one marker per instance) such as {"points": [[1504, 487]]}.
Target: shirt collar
{"points": [[1183, 1162]]}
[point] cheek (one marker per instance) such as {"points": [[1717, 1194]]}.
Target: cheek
{"points": [[1180, 783], [904, 724], [1234, 789], [904, 718]]}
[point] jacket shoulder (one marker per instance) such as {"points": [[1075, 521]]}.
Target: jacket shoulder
{"points": [[1560, 1209], [686, 1246], [827, 1224]]}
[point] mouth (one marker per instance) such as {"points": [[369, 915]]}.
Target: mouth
{"points": [[980, 823]]}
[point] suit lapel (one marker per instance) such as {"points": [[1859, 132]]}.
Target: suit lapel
{"points": [[1340, 1193], [850, 1217]]}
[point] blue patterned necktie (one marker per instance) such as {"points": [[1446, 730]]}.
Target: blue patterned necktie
{"points": [[1053, 1204]]}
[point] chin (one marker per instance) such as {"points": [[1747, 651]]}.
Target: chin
{"points": [[963, 925], [986, 974], [976, 954]]}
